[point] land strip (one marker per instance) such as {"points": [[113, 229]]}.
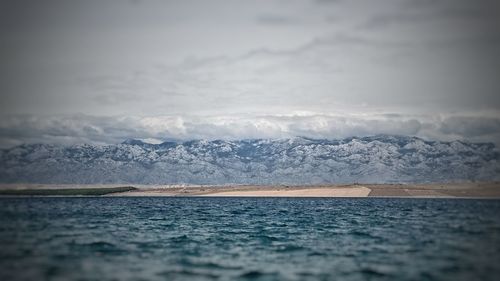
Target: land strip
{"points": [[65, 191], [449, 190]]}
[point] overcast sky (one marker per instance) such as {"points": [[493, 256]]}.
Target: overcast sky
{"points": [[103, 71]]}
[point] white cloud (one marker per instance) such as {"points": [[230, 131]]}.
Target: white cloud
{"points": [[70, 129]]}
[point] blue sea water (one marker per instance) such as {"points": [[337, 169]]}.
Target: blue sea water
{"points": [[249, 239]]}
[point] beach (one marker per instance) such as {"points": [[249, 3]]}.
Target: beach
{"points": [[358, 191], [448, 190], [458, 190]]}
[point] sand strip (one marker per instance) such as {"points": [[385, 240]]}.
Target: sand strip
{"points": [[309, 192], [425, 193]]}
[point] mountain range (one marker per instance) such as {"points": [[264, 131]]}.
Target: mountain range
{"points": [[299, 160]]}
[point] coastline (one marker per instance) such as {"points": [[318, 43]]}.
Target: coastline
{"points": [[448, 190], [437, 190]]}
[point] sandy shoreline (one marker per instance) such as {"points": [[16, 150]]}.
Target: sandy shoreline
{"points": [[459, 190], [450, 190], [360, 191]]}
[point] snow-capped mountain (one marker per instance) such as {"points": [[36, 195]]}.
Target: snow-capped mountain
{"points": [[285, 161]]}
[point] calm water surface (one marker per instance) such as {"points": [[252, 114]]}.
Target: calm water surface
{"points": [[248, 239]]}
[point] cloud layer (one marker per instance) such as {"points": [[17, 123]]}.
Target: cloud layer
{"points": [[71, 129]]}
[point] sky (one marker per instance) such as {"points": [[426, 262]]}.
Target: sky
{"points": [[105, 71]]}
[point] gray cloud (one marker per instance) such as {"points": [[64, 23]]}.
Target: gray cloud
{"points": [[473, 13], [326, 1], [394, 74], [471, 126], [275, 19], [259, 68], [70, 129]]}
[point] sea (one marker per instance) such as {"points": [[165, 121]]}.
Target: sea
{"points": [[194, 238]]}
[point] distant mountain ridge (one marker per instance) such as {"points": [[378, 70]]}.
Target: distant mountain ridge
{"points": [[299, 160]]}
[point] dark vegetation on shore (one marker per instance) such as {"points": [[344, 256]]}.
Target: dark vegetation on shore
{"points": [[67, 191]]}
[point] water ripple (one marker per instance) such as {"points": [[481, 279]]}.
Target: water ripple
{"points": [[249, 239]]}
